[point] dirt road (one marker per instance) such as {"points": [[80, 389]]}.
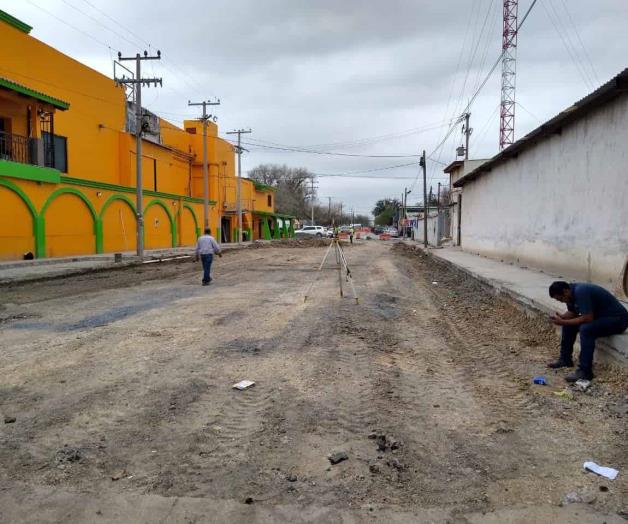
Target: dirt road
{"points": [[120, 385]]}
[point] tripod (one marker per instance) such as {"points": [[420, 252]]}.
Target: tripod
{"points": [[342, 266]]}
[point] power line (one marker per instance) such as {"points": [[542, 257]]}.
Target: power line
{"points": [[330, 153]]}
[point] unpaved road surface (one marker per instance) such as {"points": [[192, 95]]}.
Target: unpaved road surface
{"points": [[120, 385]]}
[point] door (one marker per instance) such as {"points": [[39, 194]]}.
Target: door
{"points": [[459, 243], [225, 230]]}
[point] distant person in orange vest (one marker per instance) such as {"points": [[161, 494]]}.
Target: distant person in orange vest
{"points": [[351, 233], [206, 248]]}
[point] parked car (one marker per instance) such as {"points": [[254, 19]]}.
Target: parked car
{"points": [[317, 231], [392, 231]]}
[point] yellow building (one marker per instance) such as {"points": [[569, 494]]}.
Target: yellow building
{"points": [[68, 167]]}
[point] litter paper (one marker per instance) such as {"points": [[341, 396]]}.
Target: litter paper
{"points": [[609, 473], [244, 384]]}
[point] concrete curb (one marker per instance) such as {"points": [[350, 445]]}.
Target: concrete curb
{"points": [[607, 352]]}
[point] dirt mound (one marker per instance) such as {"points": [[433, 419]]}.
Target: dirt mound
{"points": [[292, 242]]}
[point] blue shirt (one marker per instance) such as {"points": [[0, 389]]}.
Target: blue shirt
{"points": [[589, 298]]}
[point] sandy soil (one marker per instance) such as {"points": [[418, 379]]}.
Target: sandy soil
{"points": [[120, 384]]}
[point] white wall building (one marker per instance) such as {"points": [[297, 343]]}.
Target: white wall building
{"points": [[557, 199]]}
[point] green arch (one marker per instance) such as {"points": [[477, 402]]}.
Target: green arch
{"points": [[38, 233], [112, 199], [173, 226], [196, 228], [53, 196]]}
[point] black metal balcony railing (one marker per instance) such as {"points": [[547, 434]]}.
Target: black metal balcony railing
{"points": [[15, 148]]}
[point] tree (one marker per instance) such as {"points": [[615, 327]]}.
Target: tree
{"points": [[293, 187], [381, 205], [385, 211]]}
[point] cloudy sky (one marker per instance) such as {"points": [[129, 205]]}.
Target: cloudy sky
{"points": [[356, 77]]}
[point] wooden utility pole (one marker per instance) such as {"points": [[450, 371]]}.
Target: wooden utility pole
{"points": [[138, 82], [422, 163], [204, 118], [239, 150]]}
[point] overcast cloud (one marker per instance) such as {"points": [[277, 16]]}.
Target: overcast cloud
{"points": [[326, 72]]}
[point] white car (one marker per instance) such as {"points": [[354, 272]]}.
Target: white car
{"points": [[317, 231]]}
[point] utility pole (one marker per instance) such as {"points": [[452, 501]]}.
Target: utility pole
{"points": [[239, 150], [467, 134], [329, 209], [438, 199], [422, 163], [312, 197], [204, 118], [138, 82]]}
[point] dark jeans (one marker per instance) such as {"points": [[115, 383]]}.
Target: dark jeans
{"points": [[207, 266], [600, 327]]}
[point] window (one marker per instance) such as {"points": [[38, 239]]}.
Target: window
{"points": [[270, 200], [55, 153]]}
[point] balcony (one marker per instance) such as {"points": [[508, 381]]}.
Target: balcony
{"points": [[27, 158], [16, 148]]}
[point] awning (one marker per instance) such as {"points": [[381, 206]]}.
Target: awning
{"points": [[10, 85]]}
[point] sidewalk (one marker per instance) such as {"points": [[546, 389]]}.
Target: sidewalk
{"points": [[17, 271], [525, 286]]}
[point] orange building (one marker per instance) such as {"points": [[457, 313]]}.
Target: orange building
{"points": [[68, 164]]}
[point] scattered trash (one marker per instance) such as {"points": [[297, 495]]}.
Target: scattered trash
{"points": [[539, 380], [583, 385], [119, 475], [564, 394], [435, 283], [244, 384], [9, 420], [337, 457], [609, 473]]}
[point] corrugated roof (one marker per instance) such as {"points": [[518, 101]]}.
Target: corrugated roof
{"points": [[27, 91], [609, 91]]}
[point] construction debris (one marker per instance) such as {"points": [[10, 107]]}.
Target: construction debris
{"points": [[609, 473], [243, 384]]}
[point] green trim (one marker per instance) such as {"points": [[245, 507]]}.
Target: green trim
{"points": [[173, 226], [265, 229], [27, 91], [260, 186], [196, 228], [14, 22], [40, 237], [276, 230], [29, 172], [71, 191], [218, 237], [31, 207], [267, 214], [128, 189], [17, 189], [112, 199]]}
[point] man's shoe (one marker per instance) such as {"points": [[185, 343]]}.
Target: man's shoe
{"points": [[579, 374], [206, 283], [560, 363]]}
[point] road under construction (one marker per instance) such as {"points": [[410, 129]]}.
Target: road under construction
{"points": [[414, 405]]}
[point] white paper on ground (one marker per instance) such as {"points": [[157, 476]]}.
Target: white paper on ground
{"points": [[244, 384], [609, 473]]}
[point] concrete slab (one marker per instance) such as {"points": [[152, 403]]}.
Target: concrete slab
{"points": [[526, 286]]}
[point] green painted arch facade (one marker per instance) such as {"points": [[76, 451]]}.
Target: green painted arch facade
{"points": [[37, 233], [173, 225], [41, 219], [197, 228]]}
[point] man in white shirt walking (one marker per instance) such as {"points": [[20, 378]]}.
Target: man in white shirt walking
{"points": [[206, 247]]}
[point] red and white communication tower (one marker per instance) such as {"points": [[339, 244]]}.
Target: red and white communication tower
{"points": [[509, 70]]}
